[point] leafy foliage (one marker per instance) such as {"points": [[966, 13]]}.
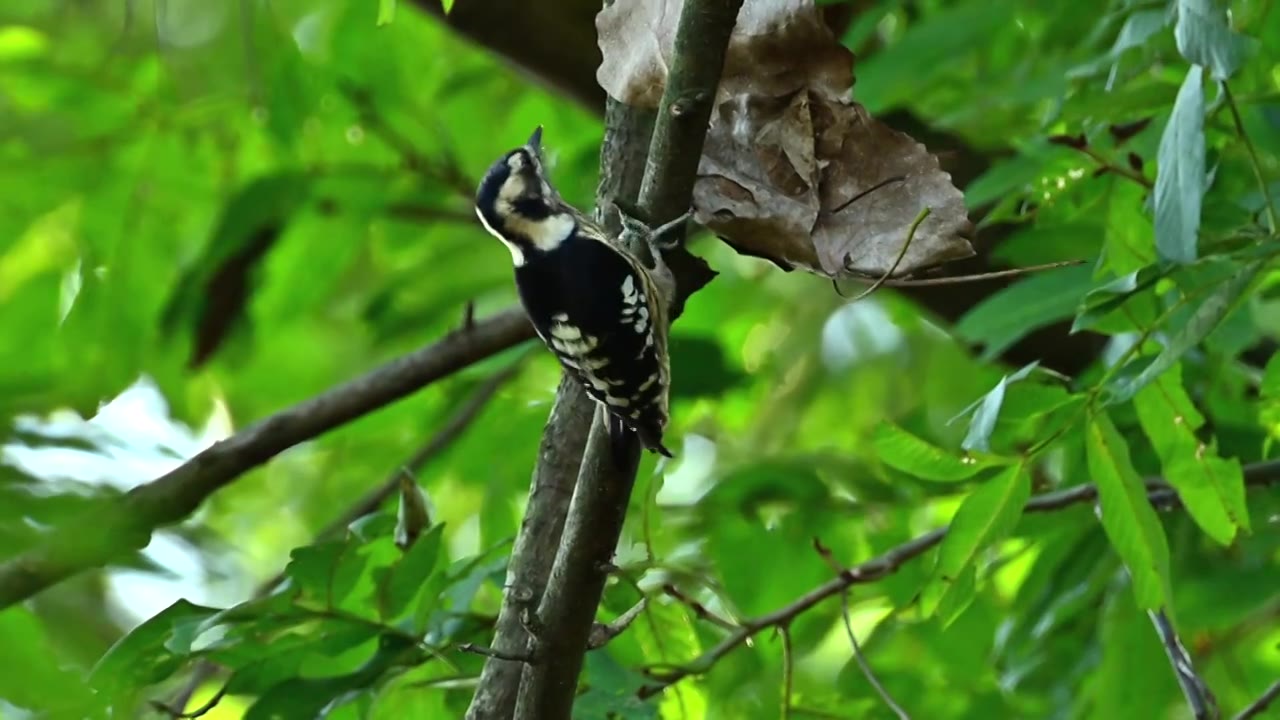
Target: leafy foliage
{"points": [[213, 211]]}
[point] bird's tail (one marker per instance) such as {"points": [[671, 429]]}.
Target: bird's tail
{"points": [[621, 437]]}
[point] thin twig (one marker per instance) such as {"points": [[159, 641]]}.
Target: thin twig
{"points": [[1199, 697], [825, 553], [1253, 157], [1121, 170], [1158, 492], [492, 653], [980, 277], [1256, 708], [698, 608], [602, 633], [788, 669], [911, 234], [175, 711], [883, 183]]}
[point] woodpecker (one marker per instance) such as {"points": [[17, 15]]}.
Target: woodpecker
{"points": [[593, 303]]}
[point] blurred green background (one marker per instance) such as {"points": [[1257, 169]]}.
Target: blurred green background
{"points": [[211, 210]]}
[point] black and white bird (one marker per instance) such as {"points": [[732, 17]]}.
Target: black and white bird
{"points": [[592, 302]]}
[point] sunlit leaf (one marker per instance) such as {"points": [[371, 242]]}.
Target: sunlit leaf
{"points": [[985, 517], [387, 12], [1204, 36], [1180, 183], [141, 658], [1127, 517], [407, 577], [1204, 319], [906, 452], [1211, 488], [988, 411], [326, 572]]}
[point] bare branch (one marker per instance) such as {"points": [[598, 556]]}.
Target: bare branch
{"points": [[492, 653], [1199, 697], [127, 522], [554, 477], [599, 505], [861, 659], [602, 633], [1257, 707], [176, 711], [1158, 493], [698, 608]]}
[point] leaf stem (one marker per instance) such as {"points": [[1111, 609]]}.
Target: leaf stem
{"points": [[1253, 157]]}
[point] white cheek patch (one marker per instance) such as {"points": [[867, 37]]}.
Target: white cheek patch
{"points": [[546, 234], [517, 255]]}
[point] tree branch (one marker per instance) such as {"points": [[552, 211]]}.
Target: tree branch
{"points": [[1264, 701], [559, 457], [1199, 697], [126, 523], [564, 440], [1159, 494], [598, 509]]}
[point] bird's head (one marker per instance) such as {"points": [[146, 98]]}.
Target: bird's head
{"points": [[518, 205]]}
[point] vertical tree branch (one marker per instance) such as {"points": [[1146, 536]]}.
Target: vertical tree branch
{"points": [[564, 441], [559, 457], [596, 515]]}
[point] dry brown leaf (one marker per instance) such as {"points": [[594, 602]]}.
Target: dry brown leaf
{"points": [[787, 150]]}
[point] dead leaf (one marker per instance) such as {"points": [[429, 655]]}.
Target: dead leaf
{"points": [[787, 149]]}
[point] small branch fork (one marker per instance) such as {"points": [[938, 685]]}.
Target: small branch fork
{"points": [[1159, 494]]}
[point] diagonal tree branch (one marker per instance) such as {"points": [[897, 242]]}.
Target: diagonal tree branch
{"points": [[1257, 707], [1159, 494], [1204, 706], [127, 522]]}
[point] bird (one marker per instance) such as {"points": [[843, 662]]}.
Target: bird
{"points": [[593, 303]]}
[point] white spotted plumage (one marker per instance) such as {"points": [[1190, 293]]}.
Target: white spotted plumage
{"points": [[592, 303]]}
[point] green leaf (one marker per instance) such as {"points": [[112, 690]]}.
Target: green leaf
{"points": [[141, 658], [1102, 302], [988, 407], [40, 680], [387, 12], [1129, 520], [985, 517], [1031, 303], [1180, 182], [410, 574], [1205, 37], [611, 691], [447, 5], [1129, 244], [1202, 322], [901, 450], [326, 572], [1211, 488]]}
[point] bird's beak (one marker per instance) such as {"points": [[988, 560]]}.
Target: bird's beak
{"points": [[535, 141]]}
